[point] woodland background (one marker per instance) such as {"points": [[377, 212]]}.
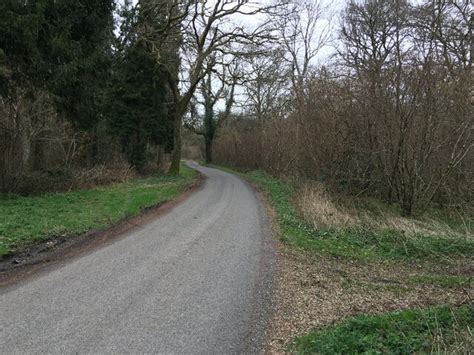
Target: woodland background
{"points": [[93, 92]]}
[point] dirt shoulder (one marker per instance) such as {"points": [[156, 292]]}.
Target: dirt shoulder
{"points": [[52, 252], [311, 292]]}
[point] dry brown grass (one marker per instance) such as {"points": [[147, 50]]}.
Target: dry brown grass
{"points": [[464, 343], [322, 209]]}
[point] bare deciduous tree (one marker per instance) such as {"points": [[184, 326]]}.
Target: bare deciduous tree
{"points": [[207, 29], [303, 32], [208, 122]]}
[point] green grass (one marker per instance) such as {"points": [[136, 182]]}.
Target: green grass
{"points": [[24, 220], [362, 244], [405, 332]]}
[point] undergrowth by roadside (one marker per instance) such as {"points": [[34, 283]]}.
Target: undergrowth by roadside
{"points": [[357, 243], [365, 262], [25, 220]]}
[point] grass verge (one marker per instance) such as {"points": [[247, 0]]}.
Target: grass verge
{"points": [[26, 220], [432, 330]]}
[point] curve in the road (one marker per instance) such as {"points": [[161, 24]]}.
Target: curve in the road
{"points": [[196, 280]]}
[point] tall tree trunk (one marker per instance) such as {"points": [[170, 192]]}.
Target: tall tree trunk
{"points": [[176, 156], [209, 151]]}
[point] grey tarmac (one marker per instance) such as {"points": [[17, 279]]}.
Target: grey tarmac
{"points": [[195, 280]]}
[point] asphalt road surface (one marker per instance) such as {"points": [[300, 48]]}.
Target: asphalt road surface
{"points": [[195, 280]]}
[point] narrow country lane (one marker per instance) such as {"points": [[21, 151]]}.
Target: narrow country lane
{"points": [[196, 280]]}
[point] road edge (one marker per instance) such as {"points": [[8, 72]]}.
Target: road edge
{"points": [[72, 246]]}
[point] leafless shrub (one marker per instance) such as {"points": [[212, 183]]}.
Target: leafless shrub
{"points": [[103, 174]]}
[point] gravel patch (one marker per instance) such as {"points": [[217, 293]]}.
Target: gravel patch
{"points": [[317, 291]]}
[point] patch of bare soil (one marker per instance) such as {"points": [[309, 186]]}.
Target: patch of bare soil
{"points": [[53, 251], [316, 291]]}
